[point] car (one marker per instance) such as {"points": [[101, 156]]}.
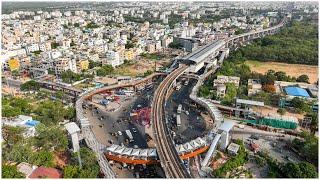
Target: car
{"points": [[119, 133], [134, 130], [254, 137], [187, 112]]}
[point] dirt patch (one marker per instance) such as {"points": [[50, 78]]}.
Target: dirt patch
{"points": [[138, 68], [290, 69], [265, 111], [61, 159]]}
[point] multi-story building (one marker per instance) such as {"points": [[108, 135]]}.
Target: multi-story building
{"points": [[254, 86], [226, 79], [64, 64], [113, 58]]}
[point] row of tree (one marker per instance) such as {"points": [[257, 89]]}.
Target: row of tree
{"points": [[286, 170], [297, 43], [71, 77]]}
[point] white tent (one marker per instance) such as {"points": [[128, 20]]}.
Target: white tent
{"points": [[135, 152], [200, 141], [180, 149], [194, 144], [188, 147], [127, 151], [152, 152], [144, 153], [112, 148], [119, 150]]}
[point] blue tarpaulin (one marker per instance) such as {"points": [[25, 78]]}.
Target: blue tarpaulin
{"points": [[32, 123], [296, 91]]}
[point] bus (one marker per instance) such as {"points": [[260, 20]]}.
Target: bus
{"points": [[178, 120], [128, 132], [179, 109]]}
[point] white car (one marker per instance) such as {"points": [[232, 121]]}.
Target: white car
{"points": [[119, 133], [134, 130], [187, 112]]}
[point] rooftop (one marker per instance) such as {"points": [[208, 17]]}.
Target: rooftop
{"points": [[45, 172], [250, 102], [233, 147], [72, 127], [296, 91], [226, 126]]}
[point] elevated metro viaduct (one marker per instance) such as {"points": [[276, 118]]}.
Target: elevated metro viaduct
{"points": [[197, 63]]}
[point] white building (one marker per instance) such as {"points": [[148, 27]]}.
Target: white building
{"points": [[73, 131], [113, 58], [32, 47]]}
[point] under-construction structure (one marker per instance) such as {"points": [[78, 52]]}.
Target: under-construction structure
{"points": [[141, 116]]}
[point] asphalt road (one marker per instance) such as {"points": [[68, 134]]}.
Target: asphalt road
{"points": [[192, 124], [12, 82], [120, 120]]}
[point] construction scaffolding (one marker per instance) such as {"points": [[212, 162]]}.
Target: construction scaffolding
{"points": [[285, 122]]}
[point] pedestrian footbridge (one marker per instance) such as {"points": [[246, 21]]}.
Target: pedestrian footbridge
{"points": [[149, 156]]}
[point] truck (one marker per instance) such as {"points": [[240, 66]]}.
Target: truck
{"points": [[128, 132], [178, 120], [179, 110], [178, 87], [186, 82]]}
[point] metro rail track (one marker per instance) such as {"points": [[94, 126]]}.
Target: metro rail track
{"points": [[168, 155]]}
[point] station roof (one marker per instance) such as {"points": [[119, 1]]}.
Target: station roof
{"points": [[203, 52], [296, 91], [250, 102]]}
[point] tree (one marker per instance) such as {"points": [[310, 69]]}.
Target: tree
{"points": [[308, 148], [54, 45], [281, 111], [9, 111], [12, 135], [204, 91], [10, 171], [51, 138], [51, 112], [147, 73], [270, 88], [129, 45], [93, 64], [30, 85], [303, 78], [90, 167], [15, 73], [43, 158], [314, 121], [299, 170], [230, 94], [300, 104], [70, 171], [105, 70], [175, 45], [70, 77], [18, 153], [308, 170]]}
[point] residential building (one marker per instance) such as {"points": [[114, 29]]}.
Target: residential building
{"points": [[226, 79], [254, 86]]}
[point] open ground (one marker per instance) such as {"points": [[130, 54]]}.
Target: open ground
{"points": [[290, 69]]}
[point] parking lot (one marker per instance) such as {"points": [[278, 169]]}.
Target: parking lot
{"points": [[192, 124], [110, 126]]}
